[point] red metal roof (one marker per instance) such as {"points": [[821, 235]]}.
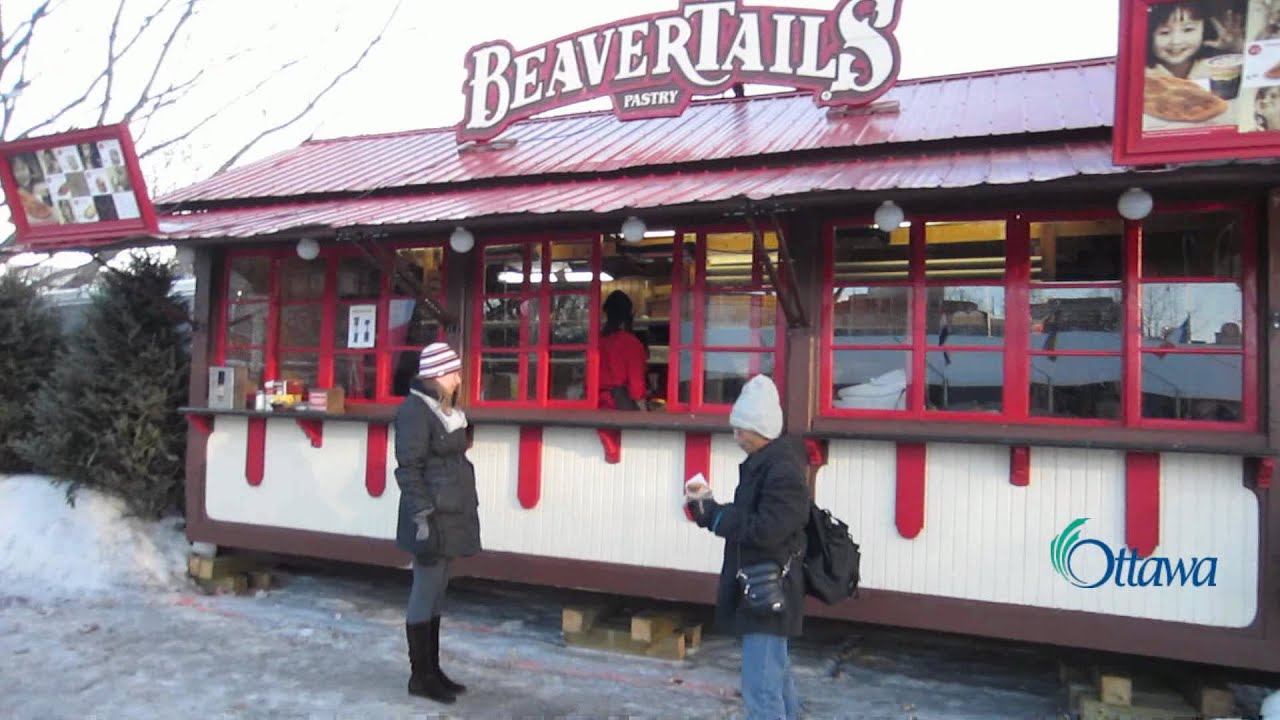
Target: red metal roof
{"points": [[605, 195], [1020, 101]]}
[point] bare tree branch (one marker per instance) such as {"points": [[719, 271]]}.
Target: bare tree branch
{"points": [[209, 118], [20, 47], [164, 53], [110, 70], [319, 96], [168, 97]]}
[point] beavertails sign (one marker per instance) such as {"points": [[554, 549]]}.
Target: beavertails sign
{"points": [[653, 65]]}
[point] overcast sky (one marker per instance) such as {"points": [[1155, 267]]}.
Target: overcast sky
{"points": [[414, 79]]}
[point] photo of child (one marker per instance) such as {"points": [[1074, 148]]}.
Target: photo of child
{"points": [[1266, 109], [89, 155], [109, 151], [1193, 64]]}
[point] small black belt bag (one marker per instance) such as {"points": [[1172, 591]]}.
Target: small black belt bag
{"points": [[761, 585]]}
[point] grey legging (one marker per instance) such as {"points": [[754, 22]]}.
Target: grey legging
{"points": [[426, 599]]}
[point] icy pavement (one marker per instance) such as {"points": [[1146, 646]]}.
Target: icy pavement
{"points": [[333, 647]]}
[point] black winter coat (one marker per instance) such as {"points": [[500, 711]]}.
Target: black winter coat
{"points": [[434, 475], [765, 522]]}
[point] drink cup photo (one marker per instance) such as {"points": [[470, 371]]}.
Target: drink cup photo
{"points": [[1224, 75]]}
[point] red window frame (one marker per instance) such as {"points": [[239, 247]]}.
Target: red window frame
{"points": [[330, 256], [541, 347], [1017, 353], [695, 293]]}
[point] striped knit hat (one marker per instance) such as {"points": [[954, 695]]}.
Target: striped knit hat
{"points": [[438, 359]]}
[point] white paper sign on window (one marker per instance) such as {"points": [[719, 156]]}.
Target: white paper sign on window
{"points": [[361, 326]]}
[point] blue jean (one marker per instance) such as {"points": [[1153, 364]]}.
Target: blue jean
{"points": [[768, 690]]}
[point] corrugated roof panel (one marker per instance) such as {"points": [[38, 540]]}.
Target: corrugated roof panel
{"points": [[1009, 102], [937, 170]]}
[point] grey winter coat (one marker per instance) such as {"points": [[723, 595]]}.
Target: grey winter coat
{"points": [[765, 522], [435, 477]]}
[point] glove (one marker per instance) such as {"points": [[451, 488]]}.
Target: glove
{"points": [[704, 511], [424, 529]]}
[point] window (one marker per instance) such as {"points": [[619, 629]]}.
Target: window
{"points": [[703, 308], [1078, 318], [346, 319]]}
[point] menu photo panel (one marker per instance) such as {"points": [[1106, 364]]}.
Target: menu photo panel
{"points": [[1197, 80], [81, 188]]}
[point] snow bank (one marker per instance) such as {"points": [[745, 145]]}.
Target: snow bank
{"points": [[50, 550]]}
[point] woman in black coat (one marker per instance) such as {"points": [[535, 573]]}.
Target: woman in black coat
{"points": [[764, 524], [439, 516]]}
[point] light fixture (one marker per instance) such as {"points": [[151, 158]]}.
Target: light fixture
{"points": [[184, 256], [633, 229], [889, 216], [1135, 204], [462, 240], [308, 249]]}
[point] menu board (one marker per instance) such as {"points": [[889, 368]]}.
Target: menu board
{"points": [[1198, 80], [75, 188]]}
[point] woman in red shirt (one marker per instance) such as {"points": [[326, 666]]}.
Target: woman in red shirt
{"points": [[623, 358]]}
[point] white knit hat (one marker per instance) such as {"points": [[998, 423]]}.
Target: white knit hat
{"points": [[438, 359], [758, 408]]}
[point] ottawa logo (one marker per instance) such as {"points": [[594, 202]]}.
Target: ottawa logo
{"points": [[1123, 568]]}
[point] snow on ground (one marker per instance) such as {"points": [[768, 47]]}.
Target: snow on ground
{"points": [[97, 621]]}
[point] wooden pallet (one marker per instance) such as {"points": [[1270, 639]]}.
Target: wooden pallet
{"points": [[228, 574], [665, 635], [1117, 694]]}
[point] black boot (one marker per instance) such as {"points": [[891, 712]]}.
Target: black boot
{"points": [[451, 686], [423, 680]]}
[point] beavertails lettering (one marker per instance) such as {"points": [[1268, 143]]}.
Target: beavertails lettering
{"points": [[652, 65]]}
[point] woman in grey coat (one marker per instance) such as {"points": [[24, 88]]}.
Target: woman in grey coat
{"points": [[439, 518]]}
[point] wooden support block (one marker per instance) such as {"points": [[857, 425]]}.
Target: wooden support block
{"points": [[260, 580], [651, 626], [210, 568], [1075, 691], [1210, 699], [580, 619], [671, 647], [618, 639], [193, 565], [1146, 706], [1115, 689], [226, 584], [692, 636]]}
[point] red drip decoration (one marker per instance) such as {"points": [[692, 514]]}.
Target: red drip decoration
{"points": [[697, 459], [313, 429], [1020, 466], [909, 502], [202, 423], [375, 460], [529, 480], [816, 451], [256, 451], [1142, 502], [611, 440], [1266, 469]]}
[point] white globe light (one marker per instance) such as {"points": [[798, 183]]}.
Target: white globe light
{"points": [[889, 216], [308, 249], [633, 229], [462, 240], [1135, 204], [184, 256]]}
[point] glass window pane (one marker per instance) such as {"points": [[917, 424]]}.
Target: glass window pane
{"points": [[404, 369], [684, 384], [1076, 319], [500, 377], [501, 324], [570, 266], [504, 268], [870, 379], [531, 379], [724, 374], [418, 272], [304, 366], [965, 381], [879, 315], [359, 277], [965, 250], [568, 379], [247, 324], [570, 319], [731, 260], [301, 279], [1176, 314], [411, 323], [865, 254], [1191, 245], [300, 325], [357, 375], [1077, 251], [969, 316], [249, 279], [251, 358], [1075, 387], [740, 320], [1189, 386]]}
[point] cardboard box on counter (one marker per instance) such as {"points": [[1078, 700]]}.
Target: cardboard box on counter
{"points": [[327, 400]]}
